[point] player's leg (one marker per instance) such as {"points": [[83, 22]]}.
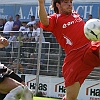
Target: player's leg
{"points": [[16, 90], [11, 83], [8, 84], [16, 77], [72, 91], [27, 94], [15, 94]]}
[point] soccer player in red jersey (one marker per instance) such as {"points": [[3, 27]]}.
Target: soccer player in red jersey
{"points": [[82, 54]]}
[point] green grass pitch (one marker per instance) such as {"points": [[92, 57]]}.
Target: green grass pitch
{"points": [[44, 98]]}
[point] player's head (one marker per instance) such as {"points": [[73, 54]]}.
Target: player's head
{"points": [[62, 6]]}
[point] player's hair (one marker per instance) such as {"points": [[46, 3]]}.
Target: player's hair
{"points": [[53, 5]]}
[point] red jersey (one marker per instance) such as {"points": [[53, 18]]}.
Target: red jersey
{"points": [[68, 30]]}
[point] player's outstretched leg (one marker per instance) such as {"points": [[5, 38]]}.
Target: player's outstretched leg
{"points": [[15, 94], [27, 94]]}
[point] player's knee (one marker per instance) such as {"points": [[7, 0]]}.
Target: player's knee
{"points": [[15, 94], [71, 97]]}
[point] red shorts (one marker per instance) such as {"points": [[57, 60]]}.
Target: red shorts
{"points": [[79, 63]]}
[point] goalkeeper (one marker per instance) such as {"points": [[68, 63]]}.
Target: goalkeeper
{"points": [[12, 87]]}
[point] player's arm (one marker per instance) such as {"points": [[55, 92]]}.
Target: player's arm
{"points": [[3, 42], [42, 13]]}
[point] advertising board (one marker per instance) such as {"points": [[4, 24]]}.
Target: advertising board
{"points": [[25, 11], [51, 86]]}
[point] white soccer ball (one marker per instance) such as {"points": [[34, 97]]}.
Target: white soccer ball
{"points": [[92, 29]]}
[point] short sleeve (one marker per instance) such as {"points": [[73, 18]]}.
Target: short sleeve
{"points": [[52, 23]]}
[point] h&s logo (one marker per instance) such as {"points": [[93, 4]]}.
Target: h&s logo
{"points": [[60, 87], [92, 90]]}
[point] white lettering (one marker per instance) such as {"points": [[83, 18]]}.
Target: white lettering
{"points": [[30, 13], [86, 11], [36, 13], [20, 13], [64, 25]]}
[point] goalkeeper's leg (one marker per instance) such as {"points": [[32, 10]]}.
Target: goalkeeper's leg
{"points": [[15, 94], [20, 92]]}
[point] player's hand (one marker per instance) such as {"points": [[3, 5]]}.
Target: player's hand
{"points": [[3, 42]]}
